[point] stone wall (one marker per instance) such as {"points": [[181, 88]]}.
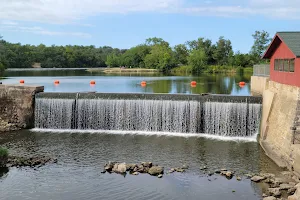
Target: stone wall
{"points": [[277, 136], [17, 106], [259, 84]]}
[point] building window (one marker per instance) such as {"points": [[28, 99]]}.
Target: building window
{"points": [[284, 65]]}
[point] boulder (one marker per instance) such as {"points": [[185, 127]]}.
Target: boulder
{"points": [[119, 168], [160, 176], [275, 192], [130, 167], [257, 178], [156, 170], [268, 175], [109, 166], [228, 174], [135, 173], [147, 164], [238, 178]]}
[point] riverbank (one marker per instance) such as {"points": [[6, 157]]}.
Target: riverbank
{"points": [[122, 70], [213, 69]]}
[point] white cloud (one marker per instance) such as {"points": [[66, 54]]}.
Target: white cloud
{"points": [[40, 31], [71, 11]]}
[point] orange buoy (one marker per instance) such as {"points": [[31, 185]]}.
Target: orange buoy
{"points": [[242, 83], [22, 81], [193, 83], [143, 83], [93, 82], [56, 82]]}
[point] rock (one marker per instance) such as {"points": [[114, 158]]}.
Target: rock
{"points": [[296, 196], [147, 164], [248, 176], [103, 172], [285, 186], [109, 166], [269, 198], [291, 191], [288, 174], [135, 173], [223, 169], [185, 167], [229, 174], [156, 170], [296, 179], [119, 168], [292, 183], [172, 170], [210, 173], [238, 178], [203, 168], [275, 192], [257, 178], [130, 167], [160, 176], [277, 181], [264, 195], [180, 170], [268, 175], [142, 169]]}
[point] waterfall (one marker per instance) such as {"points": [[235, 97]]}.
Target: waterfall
{"points": [[240, 119]]}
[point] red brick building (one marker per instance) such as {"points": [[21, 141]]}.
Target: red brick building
{"points": [[284, 55]]}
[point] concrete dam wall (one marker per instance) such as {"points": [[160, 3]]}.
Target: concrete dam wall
{"points": [[17, 106], [222, 115]]}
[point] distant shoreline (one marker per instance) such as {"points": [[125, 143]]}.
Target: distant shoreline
{"points": [[43, 69], [123, 70]]}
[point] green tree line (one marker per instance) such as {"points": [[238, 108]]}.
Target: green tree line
{"points": [[155, 53]]}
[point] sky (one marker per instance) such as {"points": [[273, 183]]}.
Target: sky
{"points": [[126, 23]]}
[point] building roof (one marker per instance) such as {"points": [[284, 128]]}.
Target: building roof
{"points": [[291, 39]]}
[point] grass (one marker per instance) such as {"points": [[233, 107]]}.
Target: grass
{"points": [[3, 152]]}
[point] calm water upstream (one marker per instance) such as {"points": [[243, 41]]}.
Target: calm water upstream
{"points": [[79, 81], [81, 156]]}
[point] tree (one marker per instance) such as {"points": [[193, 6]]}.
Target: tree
{"points": [[160, 57], [206, 45], [198, 60], [181, 54], [113, 60], [223, 51], [261, 43]]}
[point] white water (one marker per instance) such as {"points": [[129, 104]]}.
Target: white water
{"points": [[145, 133], [149, 116]]}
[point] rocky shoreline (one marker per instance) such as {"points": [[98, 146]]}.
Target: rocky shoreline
{"points": [[285, 186]]}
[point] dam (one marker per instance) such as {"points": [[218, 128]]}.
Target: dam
{"points": [[219, 115]]}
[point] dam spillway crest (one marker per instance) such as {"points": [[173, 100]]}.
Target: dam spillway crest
{"points": [[215, 115]]}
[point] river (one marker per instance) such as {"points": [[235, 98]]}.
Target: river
{"points": [[82, 155]]}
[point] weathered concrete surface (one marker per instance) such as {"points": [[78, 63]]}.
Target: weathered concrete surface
{"points": [[17, 106], [259, 84], [280, 103]]}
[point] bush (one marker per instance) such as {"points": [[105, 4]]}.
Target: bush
{"points": [[3, 152]]}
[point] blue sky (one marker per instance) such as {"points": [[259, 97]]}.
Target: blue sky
{"points": [[126, 23]]}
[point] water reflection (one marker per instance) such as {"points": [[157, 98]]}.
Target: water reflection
{"points": [[78, 81]]}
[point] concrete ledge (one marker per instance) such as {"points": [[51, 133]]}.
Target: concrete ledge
{"points": [[178, 97], [259, 84]]}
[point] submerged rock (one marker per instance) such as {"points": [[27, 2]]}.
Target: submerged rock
{"points": [[156, 170], [238, 178], [29, 162]]}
